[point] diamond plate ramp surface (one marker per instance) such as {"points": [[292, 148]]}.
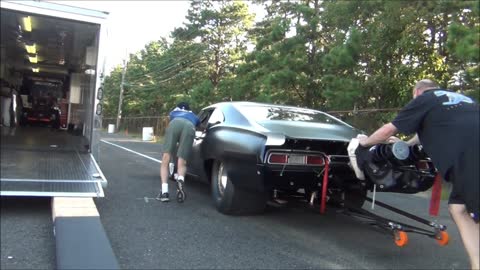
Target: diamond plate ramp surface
{"points": [[39, 162]]}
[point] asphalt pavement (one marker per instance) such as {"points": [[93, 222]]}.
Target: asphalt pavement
{"points": [[147, 234], [26, 233]]}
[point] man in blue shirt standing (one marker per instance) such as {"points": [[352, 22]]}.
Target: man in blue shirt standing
{"points": [[181, 131]]}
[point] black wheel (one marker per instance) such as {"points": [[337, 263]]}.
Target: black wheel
{"points": [[232, 200], [181, 196]]}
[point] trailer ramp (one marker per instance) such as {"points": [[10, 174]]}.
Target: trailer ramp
{"points": [[37, 161]]}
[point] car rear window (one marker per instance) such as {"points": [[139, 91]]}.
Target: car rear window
{"points": [[260, 113]]}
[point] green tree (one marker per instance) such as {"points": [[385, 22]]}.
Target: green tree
{"points": [[327, 55], [111, 88], [283, 68], [217, 32], [463, 43]]}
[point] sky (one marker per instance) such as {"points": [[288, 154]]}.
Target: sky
{"points": [[132, 24]]}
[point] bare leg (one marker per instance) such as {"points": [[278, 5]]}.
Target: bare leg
{"points": [[469, 231], [164, 168], [182, 167]]}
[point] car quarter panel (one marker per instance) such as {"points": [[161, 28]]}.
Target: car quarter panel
{"points": [[240, 150]]}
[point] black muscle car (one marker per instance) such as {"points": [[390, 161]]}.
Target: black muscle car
{"points": [[253, 152]]}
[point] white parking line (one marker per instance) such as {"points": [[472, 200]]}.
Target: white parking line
{"points": [[147, 199], [126, 149]]}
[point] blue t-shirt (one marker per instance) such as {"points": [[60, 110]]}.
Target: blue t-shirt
{"points": [[190, 116]]}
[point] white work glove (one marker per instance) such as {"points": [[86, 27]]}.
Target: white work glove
{"points": [[352, 146]]}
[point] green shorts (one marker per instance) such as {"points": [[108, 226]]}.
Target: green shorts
{"points": [[182, 132]]}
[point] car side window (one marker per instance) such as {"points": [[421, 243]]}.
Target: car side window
{"points": [[204, 116], [216, 117]]}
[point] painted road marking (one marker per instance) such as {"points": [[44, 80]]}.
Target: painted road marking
{"points": [[147, 199], [131, 151]]}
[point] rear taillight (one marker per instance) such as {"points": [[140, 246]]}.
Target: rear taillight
{"points": [[295, 159], [278, 159], [315, 160]]}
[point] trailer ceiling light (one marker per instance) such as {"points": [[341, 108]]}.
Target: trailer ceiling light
{"points": [[33, 59], [32, 49], [36, 70], [27, 24]]}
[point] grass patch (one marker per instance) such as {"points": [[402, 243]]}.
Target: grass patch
{"points": [[135, 136], [139, 136], [159, 139]]}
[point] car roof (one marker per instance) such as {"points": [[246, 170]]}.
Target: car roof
{"points": [[228, 106], [251, 103]]}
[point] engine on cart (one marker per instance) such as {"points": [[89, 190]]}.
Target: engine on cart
{"points": [[393, 167], [397, 168]]}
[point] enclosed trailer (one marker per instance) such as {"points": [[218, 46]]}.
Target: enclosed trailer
{"points": [[51, 70]]}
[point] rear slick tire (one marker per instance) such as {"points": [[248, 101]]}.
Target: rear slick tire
{"points": [[232, 200]]}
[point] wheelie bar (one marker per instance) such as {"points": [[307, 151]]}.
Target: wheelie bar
{"points": [[400, 229], [408, 215]]}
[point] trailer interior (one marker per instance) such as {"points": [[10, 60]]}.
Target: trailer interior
{"points": [[48, 77]]}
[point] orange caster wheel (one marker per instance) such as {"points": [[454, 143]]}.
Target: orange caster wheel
{"points": [[401, 238], [442, 238]]}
